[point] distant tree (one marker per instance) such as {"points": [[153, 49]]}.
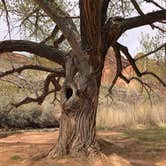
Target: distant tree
{"points": [[82, 65], [149, 43]]}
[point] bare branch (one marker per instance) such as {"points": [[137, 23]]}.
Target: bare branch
{"points": [[38, 100], [59, 72], [127, 80], [144, 85], [52, 35], [29, 15], [67, 26], [70, 17], [59, 40], [155, 3], [137, 7], [134, 66], [159, 28], [7, 17], [138, 21], [129, 57], [45, 92], [154, 75], [149, 53]]}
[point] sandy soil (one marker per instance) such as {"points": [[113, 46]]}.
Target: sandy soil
{"points": [[118, 150]]}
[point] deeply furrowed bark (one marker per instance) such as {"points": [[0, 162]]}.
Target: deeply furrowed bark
{"points": [[79, 100], [80, 91]]}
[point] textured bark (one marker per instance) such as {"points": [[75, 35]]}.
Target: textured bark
{"points": [[139, 21], [81, 88], [79, 100], [78, 119]]}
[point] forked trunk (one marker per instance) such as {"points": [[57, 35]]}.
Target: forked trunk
{"points": [[80, 91], [77, 135]]}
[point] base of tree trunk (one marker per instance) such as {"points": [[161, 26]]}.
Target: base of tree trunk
{"points": [[84, 152], [77, 133]]}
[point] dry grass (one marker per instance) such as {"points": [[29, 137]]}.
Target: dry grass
{"points": [[131, 116]]}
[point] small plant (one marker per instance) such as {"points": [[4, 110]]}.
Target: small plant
{"points": [[16, 158]]}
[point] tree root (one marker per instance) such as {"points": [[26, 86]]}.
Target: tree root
{"points": [[59, 151]]}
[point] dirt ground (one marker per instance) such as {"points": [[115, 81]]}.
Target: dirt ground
{"points": [[118, 149]]}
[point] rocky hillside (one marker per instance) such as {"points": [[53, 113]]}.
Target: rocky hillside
{"points": [[151, 65]]}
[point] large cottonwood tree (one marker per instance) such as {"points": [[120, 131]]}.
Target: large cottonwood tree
{"points": [[82, 65]]}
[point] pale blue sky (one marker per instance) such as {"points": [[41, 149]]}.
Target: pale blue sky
{"points": [[131, 38]]}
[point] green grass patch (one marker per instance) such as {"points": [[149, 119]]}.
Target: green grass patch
{"points": [[149, 134], [16, 158]]}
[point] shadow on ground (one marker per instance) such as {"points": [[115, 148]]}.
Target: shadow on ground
{"points": [[119, 148]]}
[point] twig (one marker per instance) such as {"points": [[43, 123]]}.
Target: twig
{"points": [[151, 52], [155, 3], [7, 17], [52, 35]]}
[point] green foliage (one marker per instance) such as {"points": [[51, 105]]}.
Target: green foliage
{"points": [[149, 64], [16, 158], [34, 23], [149, 43], [120, 8], [29, 117]]}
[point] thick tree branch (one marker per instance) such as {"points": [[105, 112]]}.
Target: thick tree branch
{"points": [[68, 29], [138, 21], [39, 49], [118, 67], [138, 9], [67, 26], [118, 48], [129, 57]]}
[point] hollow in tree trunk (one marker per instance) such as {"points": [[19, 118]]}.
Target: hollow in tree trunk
{"points": [[79, 101], [77, 135]]}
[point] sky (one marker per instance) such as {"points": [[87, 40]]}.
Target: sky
{"points": [[131, 38]]}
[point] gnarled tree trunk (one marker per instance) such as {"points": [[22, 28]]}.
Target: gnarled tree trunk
{"points": [[79, 100], [78, 120], [81, 88]]}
